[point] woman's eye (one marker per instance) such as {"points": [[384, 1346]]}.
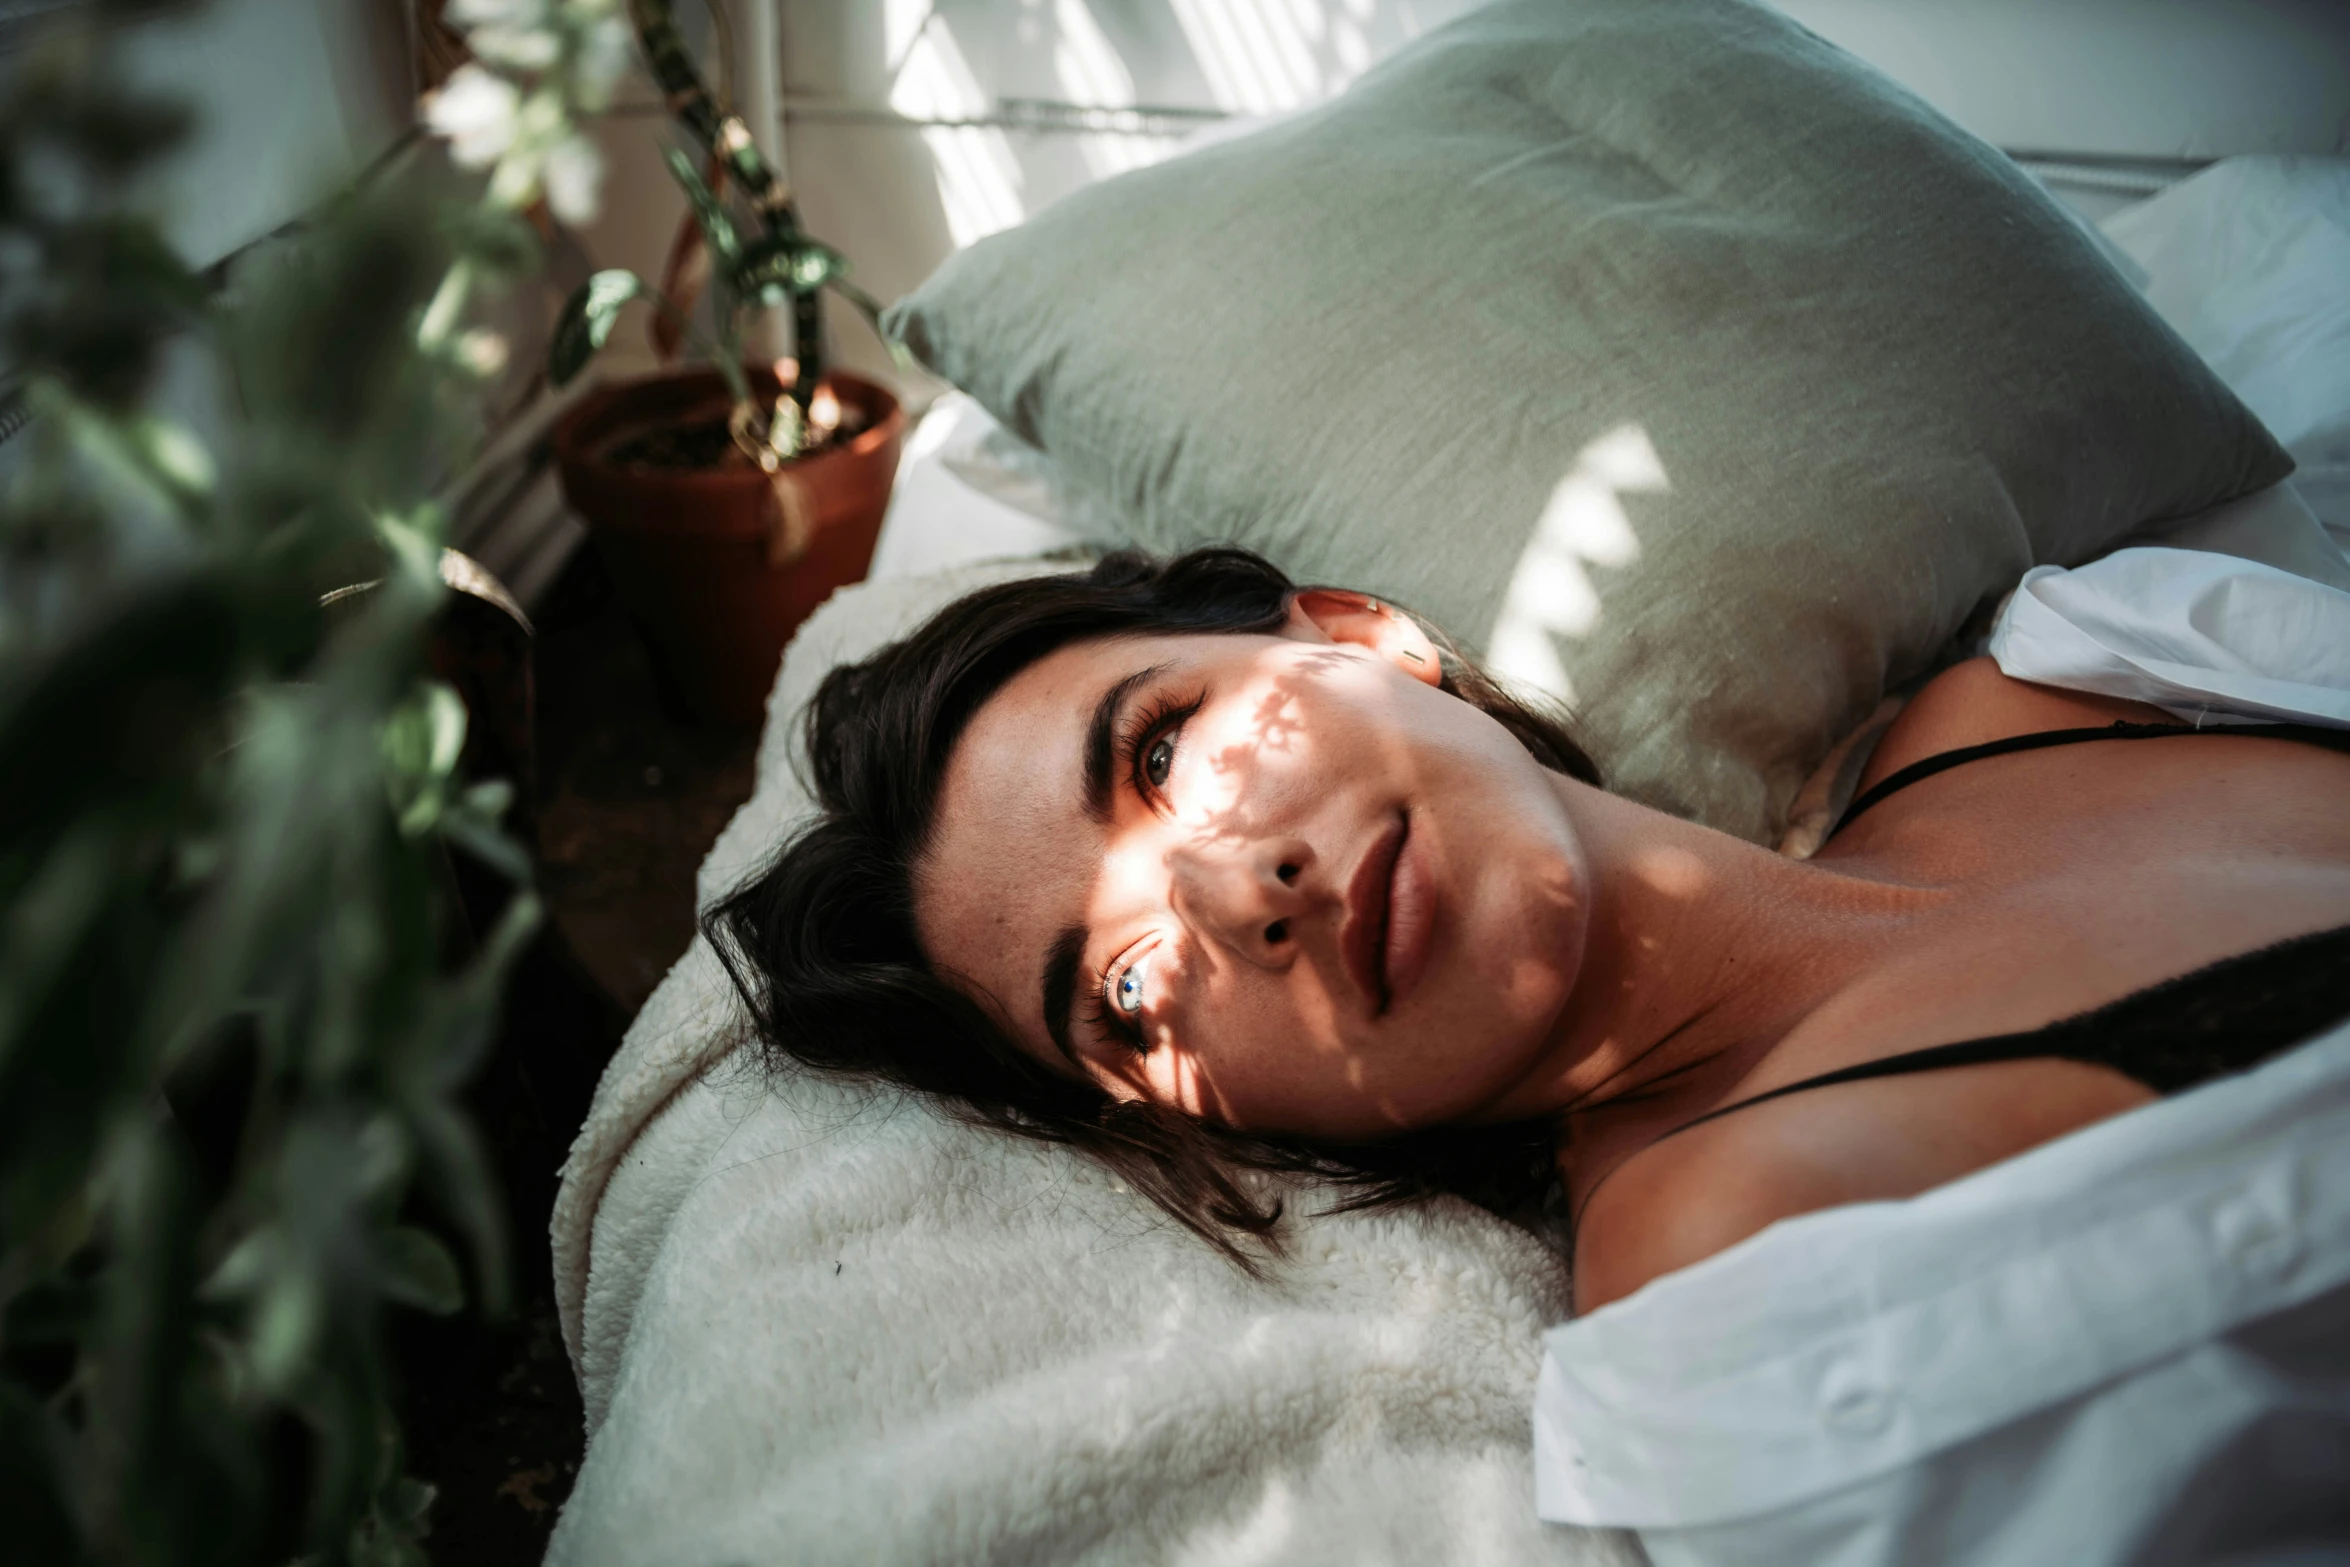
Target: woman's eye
{"points": [[1147, 751], [1159, 761], [1126, 991]]}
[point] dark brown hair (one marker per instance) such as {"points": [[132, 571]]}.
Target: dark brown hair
{"points": [[822, 944]]}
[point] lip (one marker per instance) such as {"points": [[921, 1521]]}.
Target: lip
{"points": [[1363, 943], [1411, 915]]}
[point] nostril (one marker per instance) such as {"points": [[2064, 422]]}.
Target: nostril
{"points": [[1287, 873], [1277, 932]]}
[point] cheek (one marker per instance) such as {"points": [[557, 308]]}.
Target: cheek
{"points": [[1129, 884], [1276, 731], [1231, 769], [1246, 1046]]}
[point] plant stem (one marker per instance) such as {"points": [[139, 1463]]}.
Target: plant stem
{"points": [[730, 139]]}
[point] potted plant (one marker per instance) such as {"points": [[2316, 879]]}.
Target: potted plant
{"points": [[732, 499]]}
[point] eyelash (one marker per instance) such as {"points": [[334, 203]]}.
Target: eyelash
{"points": [[1099, 1015], [1164, 715]]}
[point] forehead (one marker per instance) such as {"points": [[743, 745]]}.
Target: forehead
{"points": [[1012, 850]]}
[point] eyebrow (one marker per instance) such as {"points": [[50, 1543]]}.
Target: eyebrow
{"points": [[1101, 738]]}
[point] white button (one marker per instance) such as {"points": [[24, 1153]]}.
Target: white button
{"points": [[2256, 1242], [1852, 1403]]}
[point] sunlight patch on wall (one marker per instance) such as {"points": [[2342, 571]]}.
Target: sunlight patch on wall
{"points": [[1272, 56], [1255, 56], [1551, 593], [1091, 74], [978, 177], [1347, 40]]}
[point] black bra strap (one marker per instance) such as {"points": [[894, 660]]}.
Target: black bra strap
{"points": [[1916, 772], [1967, 1052], [2300, 986]]}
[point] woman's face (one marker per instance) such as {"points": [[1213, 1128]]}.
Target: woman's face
{"points": [[1279, 880]]}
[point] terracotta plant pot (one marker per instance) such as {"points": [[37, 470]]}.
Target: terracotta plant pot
{"points": [[715, 570]]}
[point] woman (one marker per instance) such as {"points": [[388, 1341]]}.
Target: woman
{"points": [[1203, 872]]}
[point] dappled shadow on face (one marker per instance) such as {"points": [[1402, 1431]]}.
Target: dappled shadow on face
{"points": [[1309, 730], [1277, 727]]}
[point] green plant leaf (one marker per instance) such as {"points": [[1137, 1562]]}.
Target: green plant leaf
{"points": [[871, 308], [783, 265], [234, 1029], [418, 1270], [422, 742], [816, 265], [286, 1325], [471, 821], [718, 230], [406, 1501], [456, 1170], [247, 1268], [588, 318]]}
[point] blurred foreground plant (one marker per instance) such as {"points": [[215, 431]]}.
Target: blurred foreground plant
{"points": [[237, 1006]]}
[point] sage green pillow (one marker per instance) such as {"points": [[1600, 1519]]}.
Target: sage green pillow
{"points": [[1655, 348]]}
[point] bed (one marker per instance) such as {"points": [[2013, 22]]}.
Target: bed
{"points": [[815, 1321]]}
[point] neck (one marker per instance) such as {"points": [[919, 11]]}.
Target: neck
{"points": [[1703, 952]]}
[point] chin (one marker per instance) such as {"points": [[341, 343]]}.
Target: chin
{"points": [[1519, 973]]}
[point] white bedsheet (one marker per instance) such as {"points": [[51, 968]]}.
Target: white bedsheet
{"points": [[968, 490], [2249, 261], [2131, 1345]]}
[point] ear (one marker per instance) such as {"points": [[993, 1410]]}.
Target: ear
{"points": [[1335, 615]]}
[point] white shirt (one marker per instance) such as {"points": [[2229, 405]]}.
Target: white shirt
{"points": [[2131, 1344], [2207, 637]]}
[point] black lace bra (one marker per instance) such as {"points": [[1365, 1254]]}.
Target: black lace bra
{"points": [[2226, 1017]]}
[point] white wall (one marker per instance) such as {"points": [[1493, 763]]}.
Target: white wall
{"points": [[2194, 79], [898, 199], [2157, 79], [295, 94], [291, 98]]}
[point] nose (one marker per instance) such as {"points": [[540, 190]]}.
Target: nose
{"points": [[1243, 895]]}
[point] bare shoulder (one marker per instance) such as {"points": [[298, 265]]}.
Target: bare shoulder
{"points": [[1685, 1197], [1679, 1201], [1973, 703]]}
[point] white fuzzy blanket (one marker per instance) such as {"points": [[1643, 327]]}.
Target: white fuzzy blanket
{"points": [[822, 1323]]}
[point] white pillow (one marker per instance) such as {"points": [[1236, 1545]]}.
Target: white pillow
{"points": [[2249, 261]]}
